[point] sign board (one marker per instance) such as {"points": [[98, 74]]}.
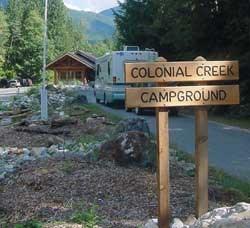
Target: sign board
{"points": [[181, 71], [182, 96]]}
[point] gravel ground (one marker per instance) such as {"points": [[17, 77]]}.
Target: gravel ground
{"points": [[53, 190]]}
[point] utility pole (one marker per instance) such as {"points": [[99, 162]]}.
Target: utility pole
{"points": [[44, 93]]}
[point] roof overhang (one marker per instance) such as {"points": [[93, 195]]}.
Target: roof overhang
{"points": [[75, 57]]}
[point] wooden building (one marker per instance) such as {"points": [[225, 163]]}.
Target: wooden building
{"points": [[73, 66]]}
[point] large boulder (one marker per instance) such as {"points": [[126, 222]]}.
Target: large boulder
{"points": [[132, 124], [237, 216], [131, 147]]}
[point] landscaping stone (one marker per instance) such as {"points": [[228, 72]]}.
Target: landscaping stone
{"points": [[132, 124], [152, 223], [128, 148], [177, 223], [237, 216], [5, 121]]}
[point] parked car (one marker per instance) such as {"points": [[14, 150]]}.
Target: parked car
{"points": [[4, 83], [14, 83]]}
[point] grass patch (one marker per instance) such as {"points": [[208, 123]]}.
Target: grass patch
{"points": [[87, 110], [181, 155], [29, 224], [67, 167], [88, 218], [238, 189], [239, 122]]}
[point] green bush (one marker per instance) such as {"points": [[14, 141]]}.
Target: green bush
{"points": [[29, 224], [88, 218]]}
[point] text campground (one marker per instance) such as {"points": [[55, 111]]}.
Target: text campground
{"points": [[184, 96]]}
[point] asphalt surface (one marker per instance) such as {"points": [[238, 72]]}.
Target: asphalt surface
{"points": [[229, 147], [5, 94]]}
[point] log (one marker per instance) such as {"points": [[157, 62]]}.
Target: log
{"points": [[79, 113], [15, 112], [41, 130], [21, 115], [62, 122]]}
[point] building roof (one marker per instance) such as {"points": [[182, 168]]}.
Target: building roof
{"points": [[84, 58]]}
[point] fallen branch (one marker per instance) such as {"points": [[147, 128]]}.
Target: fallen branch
{"points": [[79, 113], [41, 130], [14, 112], [62, 122]]}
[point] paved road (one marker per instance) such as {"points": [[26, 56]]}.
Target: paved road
{"points": [[229, 147], [5, 94]]}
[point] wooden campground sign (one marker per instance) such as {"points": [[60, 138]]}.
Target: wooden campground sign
{"points": [[198, 94], [181, 96], [182, 71]]}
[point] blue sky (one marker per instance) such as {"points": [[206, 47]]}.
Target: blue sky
{"points": [[91, 5]]}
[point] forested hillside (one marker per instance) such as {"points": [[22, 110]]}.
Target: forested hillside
{"points": [[21, 37], [96, 26], [182, 30]]}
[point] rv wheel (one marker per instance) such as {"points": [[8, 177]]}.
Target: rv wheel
{"points": [[128, 109], [106, 100], [97, 100]]}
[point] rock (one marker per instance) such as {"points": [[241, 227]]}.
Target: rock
{"points": [[27, 158], [129, 147], [134, 124], [226, 217], [26, 151], [152, 223], [190, 220], [53, 140], [177, 223], [2, 175], [237, 216], [40, 152], [95, 120], [9, 168], [57, 149], [6, 121], [95, 125], [53, 149]]}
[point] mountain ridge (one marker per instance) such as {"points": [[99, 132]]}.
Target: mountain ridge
{"points": [[94, 26]]}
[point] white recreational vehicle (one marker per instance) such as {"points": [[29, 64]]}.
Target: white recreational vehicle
{"points": [[109, 80]]}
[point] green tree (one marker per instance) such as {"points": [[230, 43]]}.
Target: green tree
{"points": [[24, 43], [3, 39], [24, 46]]}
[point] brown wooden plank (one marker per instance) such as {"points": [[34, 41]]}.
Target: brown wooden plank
{"points": [[201, 157], [181, 71], [201, 161], [163, 167], [162, 136], [182, 96]]}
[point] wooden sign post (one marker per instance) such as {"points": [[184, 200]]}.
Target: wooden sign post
{"points": [[201, 158], [162, 135], [164, 96]]}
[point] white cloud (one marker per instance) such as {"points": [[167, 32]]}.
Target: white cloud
{"points": [[91, 5], [70, 6]]}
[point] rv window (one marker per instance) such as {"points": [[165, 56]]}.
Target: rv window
{"points": [[98, 70], [109, 68]]}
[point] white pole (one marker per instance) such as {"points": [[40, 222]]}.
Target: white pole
{"points": [[44, 94]]}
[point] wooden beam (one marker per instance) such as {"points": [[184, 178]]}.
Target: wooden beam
{"points": [[163, 165], [201, 157]]}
